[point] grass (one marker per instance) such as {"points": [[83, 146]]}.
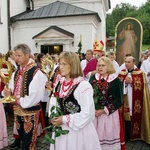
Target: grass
{"points": [[145, 47]]}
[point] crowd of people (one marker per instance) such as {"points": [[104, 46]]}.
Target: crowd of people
{"points": [[103, 104]]}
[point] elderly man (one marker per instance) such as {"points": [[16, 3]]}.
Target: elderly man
{"points": [[27, 85], [136, 107]]}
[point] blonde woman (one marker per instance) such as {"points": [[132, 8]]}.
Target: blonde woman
{"points": [[108, 94]]}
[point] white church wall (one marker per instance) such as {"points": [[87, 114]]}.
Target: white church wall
{"points": [[88, 27], [85, 26], [3, 28], [17, 7], [98, 6]]}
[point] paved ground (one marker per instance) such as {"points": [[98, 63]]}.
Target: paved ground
{"points": [[40, 145], [137, 145]]}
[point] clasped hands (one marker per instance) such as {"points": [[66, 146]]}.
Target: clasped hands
{"points": [[57, 121], [128, 80], [99, 112]]}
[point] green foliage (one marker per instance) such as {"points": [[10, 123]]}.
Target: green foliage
{"points": [[145, 47], [133, 14], [110, 28], [145, 8], [121, 11], [80, 47], [146, 36], [58, 131], [98, 97], [126, 10]]}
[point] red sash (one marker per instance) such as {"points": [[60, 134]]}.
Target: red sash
{"points": [[137, 104], [137, 101]]}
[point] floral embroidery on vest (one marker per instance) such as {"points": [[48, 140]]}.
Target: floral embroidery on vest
{"points": [[68, 104]]}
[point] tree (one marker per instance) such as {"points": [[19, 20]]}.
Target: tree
{"points": [[143, 17], [126, 10], [118, 13], [110, 25], [121, 11]]}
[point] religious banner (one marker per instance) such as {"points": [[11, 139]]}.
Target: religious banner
{"points": [[128, 39]]}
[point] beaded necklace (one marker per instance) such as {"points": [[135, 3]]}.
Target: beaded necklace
{"points": [[67, 84]]}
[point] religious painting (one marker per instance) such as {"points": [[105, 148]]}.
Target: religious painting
{"points": [[128, 39]]}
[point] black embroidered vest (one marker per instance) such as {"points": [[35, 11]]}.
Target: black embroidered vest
{"points": [[68, 104], [26, 79]]}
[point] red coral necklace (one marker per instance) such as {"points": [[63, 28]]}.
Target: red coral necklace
{"points": [[67, 84], [103, 84]]}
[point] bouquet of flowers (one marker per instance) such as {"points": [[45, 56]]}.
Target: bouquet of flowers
{"points": [[98, 97]]}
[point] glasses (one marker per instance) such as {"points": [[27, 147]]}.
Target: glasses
{"points": [[63, 64], [101, 65]]}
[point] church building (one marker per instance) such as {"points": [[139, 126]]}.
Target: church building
{"points": [[52, 26]]}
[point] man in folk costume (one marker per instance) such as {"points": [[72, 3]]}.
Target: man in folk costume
{"points": [[27, 85], [136, 107], [17, 142], [91, 65]]}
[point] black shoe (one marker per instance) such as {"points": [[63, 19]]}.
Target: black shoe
{"points": [[15, 144]]}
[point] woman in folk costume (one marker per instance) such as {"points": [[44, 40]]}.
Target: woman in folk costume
{"points": [[108, 94], [3, 126], [75, 98]]}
